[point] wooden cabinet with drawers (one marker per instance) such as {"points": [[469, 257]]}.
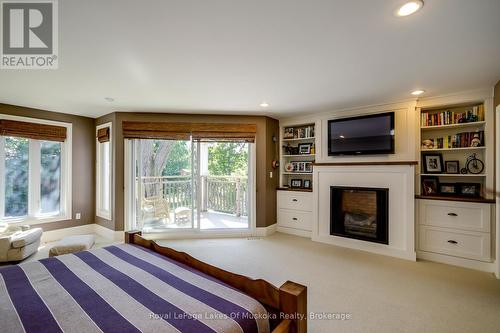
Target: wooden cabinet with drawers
{"points": [[457, 229], [295, 212]]}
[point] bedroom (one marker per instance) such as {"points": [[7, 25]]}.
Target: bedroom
{"points": [[250, 166]]}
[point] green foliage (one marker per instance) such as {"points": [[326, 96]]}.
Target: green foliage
{"points": [[228, 159], [179, 158], [16, 176]]}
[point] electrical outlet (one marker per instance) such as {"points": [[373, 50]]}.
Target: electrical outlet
{"points": [[270, 174], [78, 216]]}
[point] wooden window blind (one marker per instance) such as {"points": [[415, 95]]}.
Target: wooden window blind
{"points": [[103, 134], [182, 131], [32, 130]]}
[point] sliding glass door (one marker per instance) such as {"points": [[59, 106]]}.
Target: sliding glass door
{"points": [[181, 185]]}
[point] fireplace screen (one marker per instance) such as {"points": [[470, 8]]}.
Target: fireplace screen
{"points": [[360, 213]]}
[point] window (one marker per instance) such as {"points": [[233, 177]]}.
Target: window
{"points": [[35, 184], [103, 171]]}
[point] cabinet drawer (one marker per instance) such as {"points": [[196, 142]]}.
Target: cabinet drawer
{"points": [[296, 201], [465, 244], [464, 216], [295, 219]]}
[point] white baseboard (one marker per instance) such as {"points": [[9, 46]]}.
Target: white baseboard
{"points": [[265, 231], [296, 232], [455, 261], [54, 235]]}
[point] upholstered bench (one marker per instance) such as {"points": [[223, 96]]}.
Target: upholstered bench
{"points": [[72, 244]]}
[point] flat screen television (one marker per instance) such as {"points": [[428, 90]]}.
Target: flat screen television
{"points": [[365, 135]]}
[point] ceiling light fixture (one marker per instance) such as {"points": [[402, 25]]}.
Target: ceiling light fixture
{"points": [[264, 105], [409, 8], [109, 99], [417, 92]]}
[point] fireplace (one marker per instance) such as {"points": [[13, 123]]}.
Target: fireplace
{"points": [[360, 213]]}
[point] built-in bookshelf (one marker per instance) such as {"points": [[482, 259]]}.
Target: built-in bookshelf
{"points": [[454, 152], [298, 151]]}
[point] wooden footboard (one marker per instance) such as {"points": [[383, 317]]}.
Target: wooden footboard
{"points": [[290, 300]]}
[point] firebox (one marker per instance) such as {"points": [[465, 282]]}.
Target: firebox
{"points": [[360, 213]]}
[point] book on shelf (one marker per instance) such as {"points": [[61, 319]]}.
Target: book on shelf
{"points": [[459, 140], [302, 132], [448, 117]]}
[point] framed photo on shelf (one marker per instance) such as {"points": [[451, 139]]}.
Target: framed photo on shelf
{"points": [[469, 189], [296, 183], [430, 185], [452, 166], [448, 189], [305, 148], [307, 183], [288, 133], [433, 163]]}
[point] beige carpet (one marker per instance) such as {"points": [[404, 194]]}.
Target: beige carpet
{"points": [[382, 294]]}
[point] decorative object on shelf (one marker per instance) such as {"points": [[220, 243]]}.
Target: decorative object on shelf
{"points": [[305, 148], [474, 165], [307, 183], [452, 167], [430, 185], [428, 144], [313, 149], [469, 189], [289, 167], [308, 167], [463, 171], [288, 133], [476, 140], [448, 189], [433, 163], [296, 183]]}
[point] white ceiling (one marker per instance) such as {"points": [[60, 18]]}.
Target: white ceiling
{"points": [[227, 56]]}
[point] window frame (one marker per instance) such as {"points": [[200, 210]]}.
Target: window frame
{"points": [[34, 196], [106, 214]]}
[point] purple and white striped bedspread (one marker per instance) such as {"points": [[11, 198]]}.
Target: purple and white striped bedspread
{"points": [[123, 288]]}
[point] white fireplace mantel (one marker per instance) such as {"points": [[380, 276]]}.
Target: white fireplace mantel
{"points": [[398, 177]]}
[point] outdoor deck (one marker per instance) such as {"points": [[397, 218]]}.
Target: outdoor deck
{"points": [[208, 220]]}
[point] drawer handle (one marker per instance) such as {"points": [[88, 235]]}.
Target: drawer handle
{"points": [[452, 241], [452, 214], [294, 218], [294, 200]]}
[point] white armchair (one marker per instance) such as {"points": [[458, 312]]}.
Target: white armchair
{"points": [[18, 243]]}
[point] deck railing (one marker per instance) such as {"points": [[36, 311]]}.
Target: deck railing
{"points": [[218, 193]]}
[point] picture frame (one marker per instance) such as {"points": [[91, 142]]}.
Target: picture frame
{"points": [[430, 186], [305, 148], [288, 133], [452, 167], [307, 183], [433, 163], [469, 189], [448, 189], [296, 183]]}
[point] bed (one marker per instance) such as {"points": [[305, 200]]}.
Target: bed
{"points": [[140, 286]]}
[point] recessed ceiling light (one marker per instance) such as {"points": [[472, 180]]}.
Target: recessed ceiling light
{"points": [[264, 105], [409, 8], [417, 92], [109, 99]]}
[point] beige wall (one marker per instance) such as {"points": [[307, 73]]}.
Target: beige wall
{"points": [[83, 162], [266, 187]]}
